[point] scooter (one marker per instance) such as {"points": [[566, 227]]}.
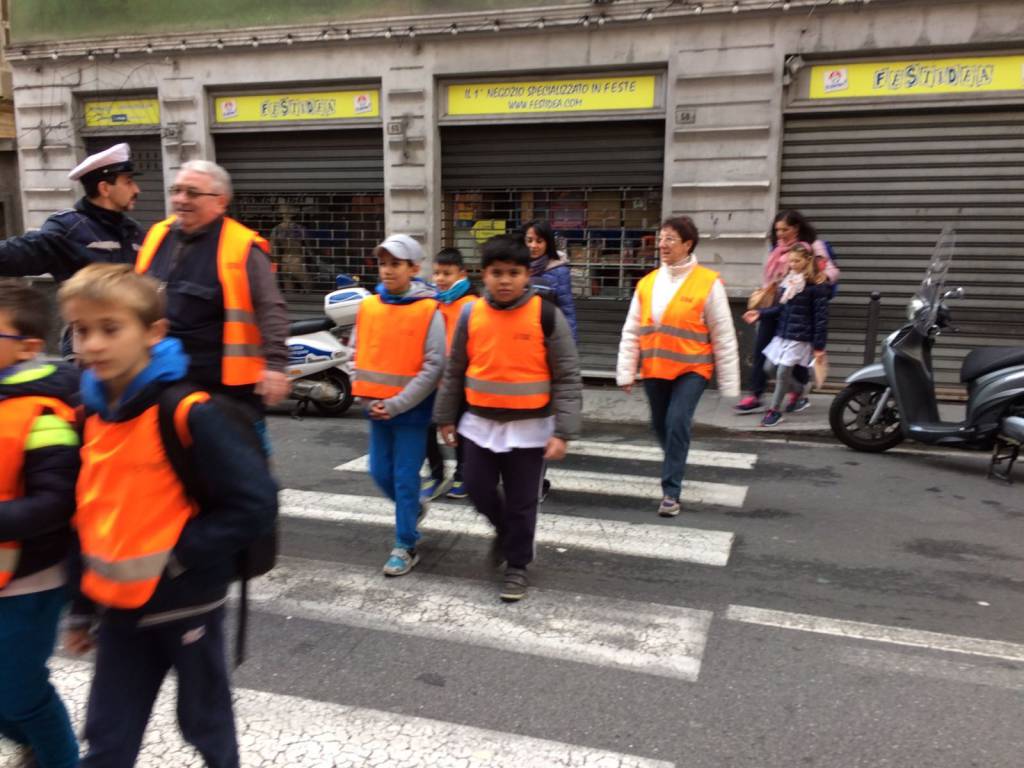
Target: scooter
{"points": [[319, 358], [887, 402]]}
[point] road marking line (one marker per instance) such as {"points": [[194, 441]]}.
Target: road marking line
{"points": [[605, 484], [661, 542], [662, 640], [936, 641], [918, 665], [275, 730], [697, 456]]}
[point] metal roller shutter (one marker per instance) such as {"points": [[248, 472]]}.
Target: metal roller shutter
{"points": [[880, 188], [599, 184], [146, 154], [318, 196]]}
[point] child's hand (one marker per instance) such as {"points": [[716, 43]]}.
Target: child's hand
{"points": [[448, 434], [78, 641], [555, 449], [378, 411], [819, 354], [627, 388], [751, 316]]}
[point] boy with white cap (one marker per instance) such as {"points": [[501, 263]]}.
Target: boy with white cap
{"points": [[400, 347]]}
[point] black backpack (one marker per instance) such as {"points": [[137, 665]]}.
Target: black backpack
{"points": [[261, 555]]}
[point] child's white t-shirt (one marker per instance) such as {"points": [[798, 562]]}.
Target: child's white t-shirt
{"points": [[503, 436]]}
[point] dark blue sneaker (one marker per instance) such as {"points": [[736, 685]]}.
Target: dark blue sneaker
{"points": [[458, 491], [797, 403], [771, 418], [433, 489]]}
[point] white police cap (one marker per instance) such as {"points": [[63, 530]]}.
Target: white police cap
{"points": [[110, 162]]}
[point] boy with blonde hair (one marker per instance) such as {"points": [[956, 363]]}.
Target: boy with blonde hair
{"points": [[154, 558]]}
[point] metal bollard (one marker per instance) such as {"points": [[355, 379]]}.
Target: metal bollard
{"points": [[871, 335]]}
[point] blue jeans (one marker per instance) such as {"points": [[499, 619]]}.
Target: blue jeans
{"points": [[396, 455], [673, 402], [31, 712]]}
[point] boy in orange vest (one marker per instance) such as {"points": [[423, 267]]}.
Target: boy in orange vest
{"points": [[399, 342], [38, 468], [155, 562], [513, 360], [454, 291]]}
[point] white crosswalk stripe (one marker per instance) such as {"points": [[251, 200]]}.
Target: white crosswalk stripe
{"points": [[275, 730], [610, 484], [655, 639], [663, 542], [697, 456]]}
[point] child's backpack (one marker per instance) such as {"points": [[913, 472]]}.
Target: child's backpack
{"points": [[832, 255], [259, 557]]}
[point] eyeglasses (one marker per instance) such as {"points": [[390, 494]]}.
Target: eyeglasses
{"points": [[190, 192], [670, 240], [13, 336]]}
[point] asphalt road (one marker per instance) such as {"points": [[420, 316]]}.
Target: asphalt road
{"points": [[813, 607]]}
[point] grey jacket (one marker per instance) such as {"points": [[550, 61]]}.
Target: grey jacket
{"points": [[566, 386]]}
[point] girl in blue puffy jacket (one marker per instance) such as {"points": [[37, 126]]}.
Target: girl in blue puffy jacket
{"points": [[802, 329], [550, 268]]}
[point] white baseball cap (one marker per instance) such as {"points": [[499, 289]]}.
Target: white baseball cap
{"points": [[401, 247]]}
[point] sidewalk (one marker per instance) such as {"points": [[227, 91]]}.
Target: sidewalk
{"points": [[605, 404]]}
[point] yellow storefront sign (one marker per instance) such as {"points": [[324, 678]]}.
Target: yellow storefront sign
{"points": [[917, 77], [584, 94], [288, 107], [121, 113]]}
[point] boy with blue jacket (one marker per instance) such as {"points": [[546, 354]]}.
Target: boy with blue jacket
{"points": [[155, 562], [38, 468], [399, 340]]}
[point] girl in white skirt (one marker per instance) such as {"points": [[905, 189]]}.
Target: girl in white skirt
{"points": [[802, 329]]}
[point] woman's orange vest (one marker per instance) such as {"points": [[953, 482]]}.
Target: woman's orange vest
{"points": [[680, 343], [451, 313], [508, 360], [132, 507], [389, 345], [242, 362], [17, 415]]}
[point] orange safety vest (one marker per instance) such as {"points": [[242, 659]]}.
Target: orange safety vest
{"points": [[389, 345], [680, 343], [451, 313], [17, 414], [132, 506], [242, 362], [508, 360]]}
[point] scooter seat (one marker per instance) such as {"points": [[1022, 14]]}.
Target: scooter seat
{"points": [[302, 327], [988, 359]]}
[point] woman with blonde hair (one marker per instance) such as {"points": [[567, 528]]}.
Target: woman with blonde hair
{"points": [[801, 330]]}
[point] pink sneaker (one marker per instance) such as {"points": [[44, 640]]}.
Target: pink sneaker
{"points": [[749, 404]]}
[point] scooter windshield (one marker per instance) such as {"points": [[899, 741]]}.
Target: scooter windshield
{"points": [[929, 295]]}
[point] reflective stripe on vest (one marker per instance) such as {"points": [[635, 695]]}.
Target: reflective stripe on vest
{"points": [[451, 313], [680, 343], [132, 508], [242, 360], [507, 357], [17, 415], [389, 345]]}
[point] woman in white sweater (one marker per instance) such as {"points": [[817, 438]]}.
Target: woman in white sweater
{"points": [[678, 332]]}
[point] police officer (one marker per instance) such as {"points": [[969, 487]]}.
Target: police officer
{"points": [[97, 228], [222, 296]]}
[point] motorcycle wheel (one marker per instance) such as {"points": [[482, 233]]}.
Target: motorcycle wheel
{"points": [[853, 407], [344, 401]]}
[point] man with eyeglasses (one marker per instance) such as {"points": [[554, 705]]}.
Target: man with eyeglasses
{"points": [[222, 296]]}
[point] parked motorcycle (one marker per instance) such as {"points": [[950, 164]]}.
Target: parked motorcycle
{"points": [[887, 402], [319, 357]]}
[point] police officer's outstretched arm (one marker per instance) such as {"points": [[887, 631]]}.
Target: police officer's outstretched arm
{"points": [[39, 253], [242, 502]]}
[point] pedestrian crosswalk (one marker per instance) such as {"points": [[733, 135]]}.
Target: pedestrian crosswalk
{"points": [[653, 640], [278, 731]]}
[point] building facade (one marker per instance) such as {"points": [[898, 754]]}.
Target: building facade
{"points": [[454, 120], [10, 203]]}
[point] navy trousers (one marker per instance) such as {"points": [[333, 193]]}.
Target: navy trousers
{"points": [[131, 664], [673, 402]]}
